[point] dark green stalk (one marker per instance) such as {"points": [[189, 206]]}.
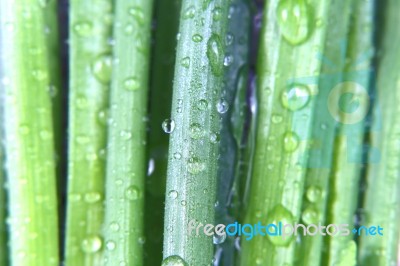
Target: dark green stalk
{"points": [[382, 195], [28, 129], [90, 74], [126, 153], [195, 131]]}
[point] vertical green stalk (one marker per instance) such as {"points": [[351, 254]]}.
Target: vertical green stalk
{"points": [[126, 156], [28, 128], [90, 74], [293, 32], [194, 127], [3, 202], [324, 130], [382, 196], [348, 153], [167, 21]]}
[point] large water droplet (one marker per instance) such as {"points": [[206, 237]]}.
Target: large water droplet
{"points": [[91, 244], [168, 126], [196, 131], [215, 54], [280, 214], [296, 97], [295, 19], [174, 260], [101, 68], [290, 141]]}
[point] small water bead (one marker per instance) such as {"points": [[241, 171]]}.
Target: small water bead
{"points": [[310, 216], [128, 29], [296, 97], [189, 12], [101, 68], [290, 141], [229, 39], [202, 105], [168, 126], [214, 137], [102, 116], [177, 155], [110, 245], [183, 202], [228, 60], [219, 239], [138, 14], [83, 28], [126, 135], [91, 244], [217, 14], [132, 84], [295, 20], [151, 167], [276, 119], [173, 194], [75, 197], [313, 193], [195, 131], [132, 193], [185, 62], [114, 226], [215, 54], [92, 197], [222, 106], [195, 165], [174, 260], [197, 38]]}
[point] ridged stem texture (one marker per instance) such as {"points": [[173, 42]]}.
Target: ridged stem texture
{"points": [[293, 32], [28, 129], [195, 131], [90, 74], [126, 153]]}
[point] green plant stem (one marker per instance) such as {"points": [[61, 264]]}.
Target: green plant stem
{"points": [[287, 79], [193, 150], [3, 204], [167, 20], [90, 73], [324, 130], [28, 128], [348, 154], [126, 156], [382, 196]]}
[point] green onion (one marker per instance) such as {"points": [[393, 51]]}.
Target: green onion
{"points": [[292, 33], [195, 127], [382, 194], [126, 158], [28, 128], [3, 207], [90, 74]]}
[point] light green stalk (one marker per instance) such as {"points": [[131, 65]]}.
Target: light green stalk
{"points": [[293, 32], [382, 196], [167, 20], [90, 74], [126, 158], [195, 120], [324, 130], [348, 153], [3, 203], [28, 127]]}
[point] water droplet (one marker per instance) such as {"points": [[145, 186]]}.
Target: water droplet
{"points": [[219, 239], [183, 202], [189, 12], [141, 240], [173, 194], [177, 155], [103, 117], [151, 167], [222, 106], [195, 166], [128, 29], [131, 84], [197, 38], [217, 14], [276, 119], [39, 74], [110, 245], [228, 60], [202, 105], [215, 54], [126, 135], [101, 68], [295, 20], [92, 197], [195, 131], [290, 141], [81, 102], [296, 97], [185, 62], [214, 138], [83, 28], [310, 216], [75, 197], [132, 193], [174, 260], [229, 39], [91, 244], [313, 194], [168, 126], [280, 214], [114, 226], [138, 14]]}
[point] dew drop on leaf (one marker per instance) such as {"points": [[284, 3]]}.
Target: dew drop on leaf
{"points": [[295, 97], [83, 28], [310, 216], [222, 106], [280, 214], [91, 244], [313, 193], [185, 62], [101, 68], [168, 126], [138, 14], [195, 131], [173, 194], [131, 84], [197, 38], [290, 141], [295, 20], [215, 54], [132, 193], [174, 260]]}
